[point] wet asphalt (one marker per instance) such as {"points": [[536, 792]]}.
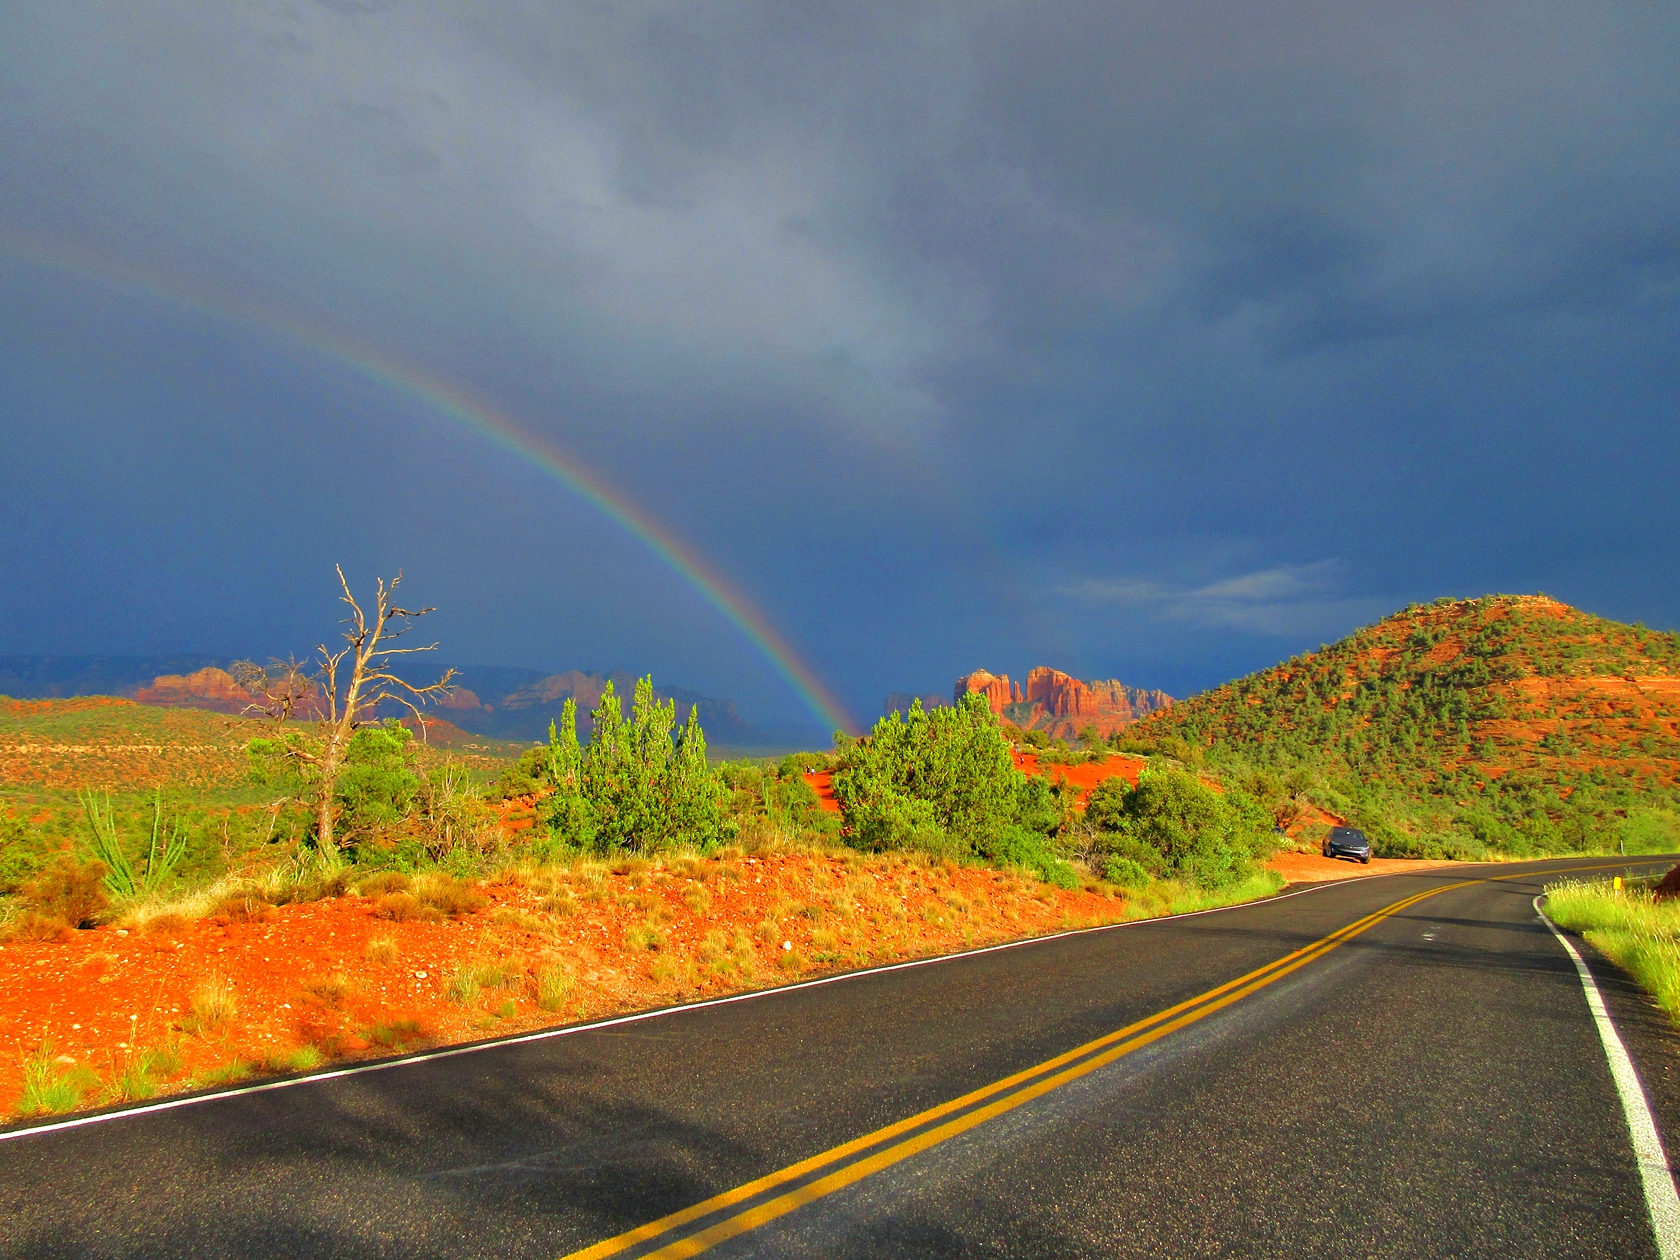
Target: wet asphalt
{"points": [[1433, 1087]]}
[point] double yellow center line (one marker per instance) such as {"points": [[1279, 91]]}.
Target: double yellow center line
{"points": [[703, 1226]]}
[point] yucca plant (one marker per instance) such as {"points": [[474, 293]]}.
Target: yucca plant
{"points": [[119, 871]]}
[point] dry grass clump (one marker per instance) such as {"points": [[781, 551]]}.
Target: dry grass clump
{"points": [[727, 956], [68, 894], [381, 884], [381, 949], [524, 920], [239, 905], [668, 970], [212, 1004], [160, 924], [32, 925], [449, 896], [553, 987], [698, 900], [331, 989], [302, 1059], [559, 903], [396, 1032], [644, 936], [399, 907], [472, 978]]}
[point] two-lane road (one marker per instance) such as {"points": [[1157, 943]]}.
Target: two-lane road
{"points": [[1347, 1071]]}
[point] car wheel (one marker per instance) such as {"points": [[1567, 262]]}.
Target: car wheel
{"points": [[1366, 860]]}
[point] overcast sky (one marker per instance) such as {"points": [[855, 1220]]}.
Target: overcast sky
{"points": [[1150, 341]]}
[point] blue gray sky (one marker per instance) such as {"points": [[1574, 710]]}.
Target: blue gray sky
{"points": [[1154, 341]]}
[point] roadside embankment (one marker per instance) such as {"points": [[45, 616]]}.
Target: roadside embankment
{"points": [[165, 1001], [1628, 926]]}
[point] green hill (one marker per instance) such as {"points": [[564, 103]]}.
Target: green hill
{"points": [[1507, 723]]}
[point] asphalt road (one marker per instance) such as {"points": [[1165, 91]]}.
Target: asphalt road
{"points": [[1431, 1086]]}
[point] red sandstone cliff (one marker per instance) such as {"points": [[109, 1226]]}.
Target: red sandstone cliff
{"points": [[204, 689], [1061, 705]]}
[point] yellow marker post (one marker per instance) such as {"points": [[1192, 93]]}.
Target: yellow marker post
{"points": [[1616, 883]]}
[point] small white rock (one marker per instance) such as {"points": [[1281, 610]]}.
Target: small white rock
{"points": [[419, 975], [787, 944]]}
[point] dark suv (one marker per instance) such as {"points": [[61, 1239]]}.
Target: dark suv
{"points": [[1348, 842]]}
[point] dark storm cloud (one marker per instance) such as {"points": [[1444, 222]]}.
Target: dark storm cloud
{"points": [[951, 331]]}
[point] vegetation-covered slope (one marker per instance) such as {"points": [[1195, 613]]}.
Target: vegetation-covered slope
{"points": [[1515, 723]]}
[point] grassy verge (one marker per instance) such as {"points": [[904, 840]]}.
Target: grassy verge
{"points": [[1640, 935]]}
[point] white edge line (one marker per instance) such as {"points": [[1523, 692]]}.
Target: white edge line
{"points": [[546, 1034], [1661, 1198]]}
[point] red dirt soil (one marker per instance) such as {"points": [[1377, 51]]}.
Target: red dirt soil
{"points": [[1085, 775], [98, 996]]}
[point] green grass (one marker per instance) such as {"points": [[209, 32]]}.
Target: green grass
{"points": [[470, 979], [553, 987], [144, 1071], [303, 1059], [51, 1087], [1638, 934]]}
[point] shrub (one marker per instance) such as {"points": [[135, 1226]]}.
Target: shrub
{"points": [[1189, 830], [378, 784], [634, 788], [525, 777], [1125, 872], [212, 1004], [942, 782], [1030, 850], [381, 949], [68, 890]]}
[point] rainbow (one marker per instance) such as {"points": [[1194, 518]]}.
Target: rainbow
{"points": [[442, 398]]}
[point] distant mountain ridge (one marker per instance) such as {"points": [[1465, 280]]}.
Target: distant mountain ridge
{"points": [[502, 702]]}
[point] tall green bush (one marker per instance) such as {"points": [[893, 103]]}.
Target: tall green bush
{"points": [[941, 780], [1175, 825], [379, 782], [634, 787]]}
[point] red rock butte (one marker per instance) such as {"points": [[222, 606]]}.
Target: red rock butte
{"points": [[1061, 705], [211, 688]]}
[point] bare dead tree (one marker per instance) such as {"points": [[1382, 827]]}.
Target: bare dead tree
{"points": [[356, 680], [281, 688]]}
